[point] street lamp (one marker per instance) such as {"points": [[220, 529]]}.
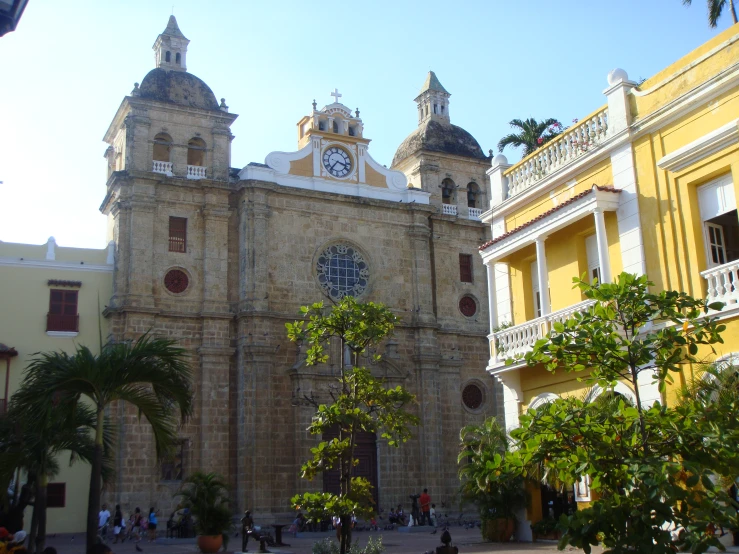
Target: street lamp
{"points": [[10, 14]]}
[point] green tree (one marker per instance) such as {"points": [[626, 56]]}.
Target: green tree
{"points": [[361, 402], [653, 468], [715, 9], [531, 134], [33, 436], [206, 494], [152, 374]]}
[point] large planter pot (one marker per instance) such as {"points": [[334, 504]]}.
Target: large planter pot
{"points": [[210, 543], [498, 530]]}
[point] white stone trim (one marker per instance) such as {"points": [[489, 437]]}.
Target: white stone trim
{"points": [[630, 237], [336, 187], [607, 201], [701, 148], [280, 161], [512, 396], [541, 399], [395, 179], [620, 388], [53, 264], [62, 334]]}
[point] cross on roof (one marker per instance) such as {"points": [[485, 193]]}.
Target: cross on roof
{"points": [[336, 95]]}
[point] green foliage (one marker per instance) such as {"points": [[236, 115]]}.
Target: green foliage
{"points": [[715, 9], [361, 403], [486, 480], [652, 468], [531, 134], [545, 526], [206, 495]]}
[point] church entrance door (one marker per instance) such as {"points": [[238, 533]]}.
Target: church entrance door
{"points": [[366, 452]]}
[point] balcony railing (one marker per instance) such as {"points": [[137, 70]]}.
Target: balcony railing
{"points": [[449, 209], [723, 283], [162, 167], [196, 172], [61, 322], [474, 213], [567, 147], [519, 339]]}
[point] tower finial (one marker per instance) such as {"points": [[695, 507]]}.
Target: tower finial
{"points": [[433, 100], [170, 47]]}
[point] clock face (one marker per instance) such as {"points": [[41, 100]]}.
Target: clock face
{"points": [[337, 161]]}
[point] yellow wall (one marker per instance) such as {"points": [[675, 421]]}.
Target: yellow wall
{"points": [[23, 327]]}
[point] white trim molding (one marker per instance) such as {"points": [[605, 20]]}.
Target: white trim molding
{"points": [[701, 148], [543, 398], [62, 334], [55, 264]]}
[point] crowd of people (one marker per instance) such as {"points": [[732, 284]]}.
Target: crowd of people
{"points": [[135, 527], [16, 543]]}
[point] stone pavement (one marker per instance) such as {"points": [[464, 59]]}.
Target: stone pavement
{"points": [[468, 541]]}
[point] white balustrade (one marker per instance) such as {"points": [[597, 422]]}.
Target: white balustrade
{"points": [[162, 167], [196, 172], [565, 148], [449, 209], [519, 339], [474, 213], [723, 283]]}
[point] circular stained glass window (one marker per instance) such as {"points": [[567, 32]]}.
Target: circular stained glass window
{"points": [[342, 271], [472, 396], [176, 281], [468, 306]]}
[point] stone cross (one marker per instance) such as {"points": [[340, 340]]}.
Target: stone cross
{"points": [[336, 95]]}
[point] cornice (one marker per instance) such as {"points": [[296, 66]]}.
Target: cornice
{"points": [[54, 264], [701, 148]]}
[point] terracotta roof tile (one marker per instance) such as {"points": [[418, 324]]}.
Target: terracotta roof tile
{"points": [[546, 214]]}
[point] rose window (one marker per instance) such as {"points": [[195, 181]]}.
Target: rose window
{"points": [[472, 396], [176, 281], [467, 306], [342, 271]]}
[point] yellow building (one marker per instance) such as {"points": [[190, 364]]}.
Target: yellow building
{"points": [[645, 184], [53, 301]]}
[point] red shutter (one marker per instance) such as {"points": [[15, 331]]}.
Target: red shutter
{"points": [[178, 234], [56, 495], [465, 268], [62, 314]]}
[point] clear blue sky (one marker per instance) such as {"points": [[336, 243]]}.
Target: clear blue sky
{"points": [[67, 67]]}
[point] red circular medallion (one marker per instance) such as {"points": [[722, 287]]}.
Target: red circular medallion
{"points": [[472, 397], [467, 306], [176, 281]]}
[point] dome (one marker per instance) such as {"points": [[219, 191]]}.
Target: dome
{"points": [[439, 136], [177, 87]]}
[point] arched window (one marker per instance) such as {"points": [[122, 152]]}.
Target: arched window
{"points": [[436, 107], [473, 193], [168, 56], [196, 152], [447, 191], [162, 147], [336, 127], [177, 58]]}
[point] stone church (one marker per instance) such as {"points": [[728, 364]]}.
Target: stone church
{"points": [[220, 258]]}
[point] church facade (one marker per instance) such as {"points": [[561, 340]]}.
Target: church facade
{"points": [[221, 258]]}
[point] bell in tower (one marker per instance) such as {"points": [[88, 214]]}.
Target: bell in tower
{"points": [[170, 48]]}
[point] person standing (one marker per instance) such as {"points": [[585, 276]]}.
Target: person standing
{"points": [[136, 524], [425, 508], [117, 523], [103, 519], [152, 525]]}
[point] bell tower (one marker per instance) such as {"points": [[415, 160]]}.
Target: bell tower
{"points": [[433, 101], [170, 48]]}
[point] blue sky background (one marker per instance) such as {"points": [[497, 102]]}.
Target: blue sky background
{"points": [[67, 67]]}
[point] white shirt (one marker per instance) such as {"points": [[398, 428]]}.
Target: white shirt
{"points": [[103, 517]]}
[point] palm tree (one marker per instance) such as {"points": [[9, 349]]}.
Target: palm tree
{"points": [[151, 374], [33, 435], [715, 9], [532, 135]]}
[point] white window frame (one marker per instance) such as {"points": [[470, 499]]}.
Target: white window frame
{"points": [[536, 292], [591, 250], [715, 199]]}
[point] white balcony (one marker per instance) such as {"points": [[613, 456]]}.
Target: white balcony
{"points": [[573, 143], [196, 172], [162, 167], [723, 283], [519, 339], [474, 213], [449, 209]]}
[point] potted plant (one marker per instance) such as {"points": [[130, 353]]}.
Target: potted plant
{"points": [[546, 529], [497, 495], [206, 495]]}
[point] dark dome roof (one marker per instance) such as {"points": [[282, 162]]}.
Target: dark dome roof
{"points": [[177, 87], [439, 136]]}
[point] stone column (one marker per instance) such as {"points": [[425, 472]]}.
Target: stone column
{"points": [[543, 274], [140, 243], [213, 390], [215, 258], [601, 238], [492, 307]]}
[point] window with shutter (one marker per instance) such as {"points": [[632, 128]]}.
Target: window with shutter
{"points": [[465, 268], [178, 234], [56, 495], [62, 314]]}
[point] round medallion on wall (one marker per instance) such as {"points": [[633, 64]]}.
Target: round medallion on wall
{"points": [[472, 396], [468, 306], [342, 271], [176, 281], [337, 161]]}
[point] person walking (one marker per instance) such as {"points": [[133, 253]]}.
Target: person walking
{"points": [[247, 528], [103, 519], [136, 524], [425, 508], [152, 526], [117, 523]]}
